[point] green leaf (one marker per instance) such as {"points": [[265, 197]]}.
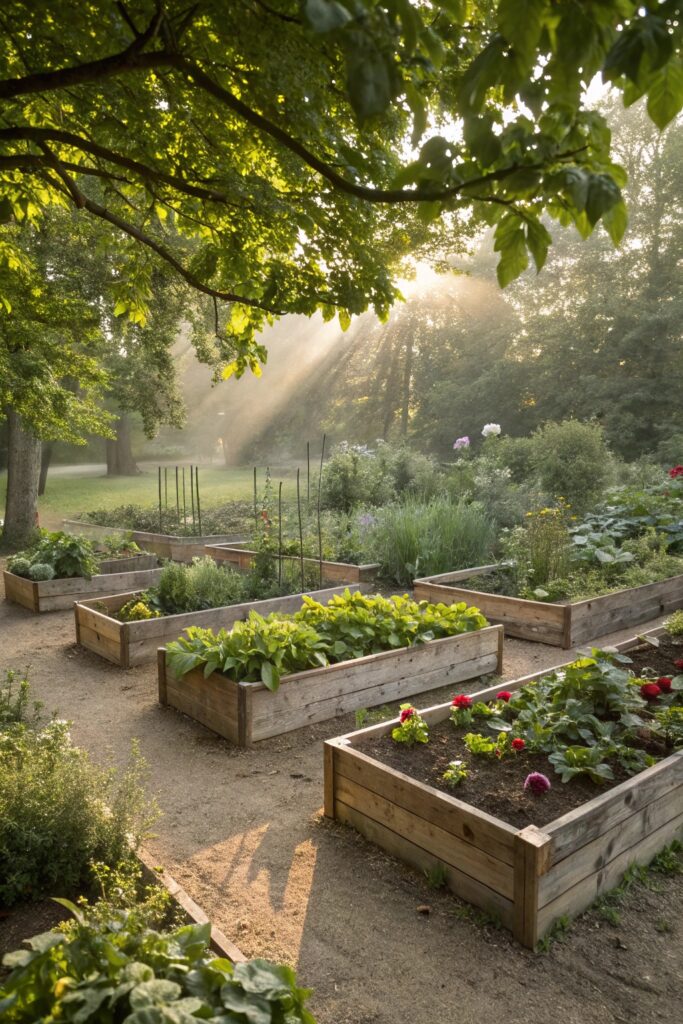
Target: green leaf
{"points": [[483, 144], [538, 241], [616, 222], [665, 95], [325, 15], [521, 22], [603, 194]]}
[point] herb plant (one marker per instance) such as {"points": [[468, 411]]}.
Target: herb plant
{"points": [[455, 773]]}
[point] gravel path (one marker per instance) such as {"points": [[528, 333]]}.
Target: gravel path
{"points": [[242, 831]]}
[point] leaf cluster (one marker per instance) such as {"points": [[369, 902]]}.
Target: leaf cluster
{"points": [[68, 556], [116, 967]]}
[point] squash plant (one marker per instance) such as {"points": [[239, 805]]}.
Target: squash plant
{"points": [[349, 626]]}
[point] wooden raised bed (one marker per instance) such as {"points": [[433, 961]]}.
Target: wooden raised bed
{"points": [[134, 643], [241, 557], [165, 545], [52, 595], [247, 712], [563, 625], [130, 563], [526, 878]]}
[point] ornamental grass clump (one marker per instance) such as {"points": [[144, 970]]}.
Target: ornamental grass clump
{"points": [[349, 626]]}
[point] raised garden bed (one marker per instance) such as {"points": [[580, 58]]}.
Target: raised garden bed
{"points": [[563, 624], [164, 545], [53, 595], [239, 556], [246, 712], [130, 563], [134, 643], [529, 877]]}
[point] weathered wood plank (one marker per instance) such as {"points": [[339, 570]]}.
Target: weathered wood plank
{"points": [[20, 591], [328, 780], [531, 860], [109, 583], [213, 705], [242, 558], [595, 855], [100, 644], [130, 564], [593, 819], [275, 716], [459, 574], [445, 846], [581, 895], [405, 850], [461, 820]]}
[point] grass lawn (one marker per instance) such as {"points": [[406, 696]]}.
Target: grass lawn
{"points": [[72, 489]]}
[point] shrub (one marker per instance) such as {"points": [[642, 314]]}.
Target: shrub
{"points": [[410, 471], [59, 812], [112, 966], [19, 565], [191, 588], [66, 555], [41, 571], [417, 538], [572, 461], [354, 475], [674, 624]]}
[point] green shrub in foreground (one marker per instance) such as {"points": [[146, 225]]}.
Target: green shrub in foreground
{"points": [[119, 969], [59, 812]]}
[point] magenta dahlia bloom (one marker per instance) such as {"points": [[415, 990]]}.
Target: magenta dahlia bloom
{"points": [[537, 783]]}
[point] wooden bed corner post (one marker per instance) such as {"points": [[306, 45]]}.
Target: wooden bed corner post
{"points": [[78, 625], [567, 628], [532, 849], [328, 783], [501, 641], [244, 715], [161, 667]]}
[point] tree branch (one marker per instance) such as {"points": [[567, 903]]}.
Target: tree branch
{"points": [[83, 202]]}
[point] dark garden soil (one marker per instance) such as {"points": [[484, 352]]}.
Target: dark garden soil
{"points": [[27, 920], [242, 832], [495, 786], [656, 661]]}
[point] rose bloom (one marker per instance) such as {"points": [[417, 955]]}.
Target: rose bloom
{"points": [[518, 744], [462, 701], [664, 684], [493, 429], [650, 691], [504, 695], [406, 714]]}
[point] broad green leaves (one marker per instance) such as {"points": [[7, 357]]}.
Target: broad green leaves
{"points": [[665, 95]]}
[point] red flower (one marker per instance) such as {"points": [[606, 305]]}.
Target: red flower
{"points": [[504, 695], [461, 701], [650, 691], [678, 663], [664, 684], [407, 713], [518, 744], [676, 471]]}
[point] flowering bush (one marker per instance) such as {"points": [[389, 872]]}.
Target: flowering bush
{"points": [[491, 430], [412, 728], [537, 782], [676, 471], [461, 710], [486, 747], [461, 442]]}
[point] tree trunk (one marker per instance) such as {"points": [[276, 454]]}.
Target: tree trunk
{"points": [[45, 459], [23, 471], [120, 461]]}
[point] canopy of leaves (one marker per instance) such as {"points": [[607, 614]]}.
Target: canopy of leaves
{"points": [[281, 185]]}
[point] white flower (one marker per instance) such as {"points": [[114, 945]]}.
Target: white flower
{"points": [[491, 430]]}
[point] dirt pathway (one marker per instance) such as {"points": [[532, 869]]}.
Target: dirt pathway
{"points": [[242, 832]]}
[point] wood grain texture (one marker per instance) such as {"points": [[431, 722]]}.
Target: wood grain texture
{"points": [[241, 557]]}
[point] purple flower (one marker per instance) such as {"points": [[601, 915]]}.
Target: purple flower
{"points": [[462, 442], [537, 783], [366, 519]]}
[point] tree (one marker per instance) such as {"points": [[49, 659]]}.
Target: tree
{"points": [[280, 186]]}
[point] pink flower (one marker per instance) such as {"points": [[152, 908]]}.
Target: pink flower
{"points": [[650, 691], [462, 442], [518, 744], [664, 684], [461, 701], [537, 783], [406, 713], [504, 695]]}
